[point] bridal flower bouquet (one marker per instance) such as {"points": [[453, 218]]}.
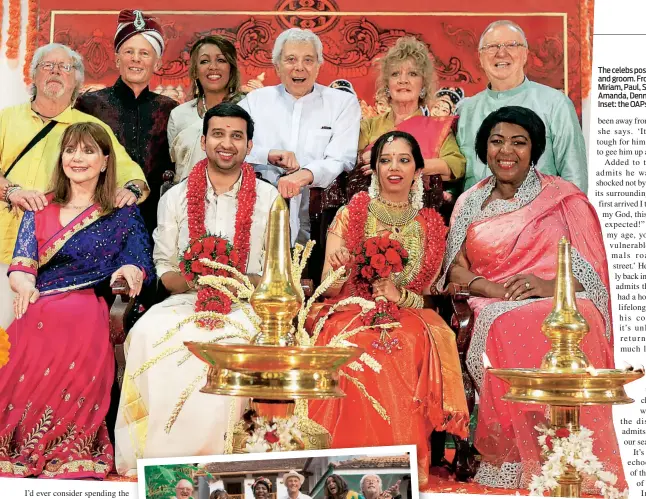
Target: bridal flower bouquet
{"points": [[209, 299], [379, 257]]}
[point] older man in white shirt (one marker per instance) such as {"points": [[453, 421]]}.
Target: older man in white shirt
{"points": [[216, 199], [307, 134], [293, 482]]}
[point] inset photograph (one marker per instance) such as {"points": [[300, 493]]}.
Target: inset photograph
{"points": [[365, 473]]}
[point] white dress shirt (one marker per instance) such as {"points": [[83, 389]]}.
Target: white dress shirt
{"points": [[321, 128], [171, 235]]}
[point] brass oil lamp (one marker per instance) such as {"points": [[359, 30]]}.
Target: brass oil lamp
{"points": [[565, 381], [273, 371]]}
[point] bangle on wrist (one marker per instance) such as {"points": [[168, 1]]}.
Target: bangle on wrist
{"points": [[134, 188], [409, 299], [474, 280], [10, 189]]}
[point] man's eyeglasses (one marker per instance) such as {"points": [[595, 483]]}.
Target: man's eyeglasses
{"points": [[62, 66], [493, 48]]}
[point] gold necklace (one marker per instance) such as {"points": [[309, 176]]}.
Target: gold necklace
{"points": [[393, 204], [75, 207], [392, 217]]}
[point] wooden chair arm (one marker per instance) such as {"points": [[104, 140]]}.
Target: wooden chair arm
{"points": [[119, 311], [462, 316]]}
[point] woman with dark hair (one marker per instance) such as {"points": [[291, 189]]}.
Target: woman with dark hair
{"points": [[261, 488], [502, 248], [219, 494], [409, 381], [215, 78], [55, 390], [337, 488]]}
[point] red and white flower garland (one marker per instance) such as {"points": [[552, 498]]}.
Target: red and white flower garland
{"points": [[196, 204]]}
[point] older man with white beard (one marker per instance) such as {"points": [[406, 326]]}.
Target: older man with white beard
{"points": [[503, 55], [30, 137], [306, 133]]}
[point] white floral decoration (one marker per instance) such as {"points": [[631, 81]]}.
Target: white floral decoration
{"points": [[574, 450], [375, 188], [285, 430], [416, 196]]}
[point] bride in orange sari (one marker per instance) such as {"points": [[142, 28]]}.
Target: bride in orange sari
{"points": [[410, 381]]}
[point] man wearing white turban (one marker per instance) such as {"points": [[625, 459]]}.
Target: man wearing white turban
{"points": [[137, 116]]}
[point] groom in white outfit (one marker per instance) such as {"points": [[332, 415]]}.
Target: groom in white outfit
{"points": [[149, 399]]}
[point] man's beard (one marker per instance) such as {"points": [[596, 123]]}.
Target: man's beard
{"points": [[52, 94]]}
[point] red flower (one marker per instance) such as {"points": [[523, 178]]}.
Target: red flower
{"points": [[221, 246], [385, 272], [548, 442], [187, 255], [403, 253], [367, 272], [371, 248], [562, 433], [398, 267], [223, 259], [396, 245], [189, 277], [205, 254], [196, 247], [197, 267], [209, 245], [383, 243], [378, 261], [360, 260], [234, 258], [392, 256], [271, 437]]}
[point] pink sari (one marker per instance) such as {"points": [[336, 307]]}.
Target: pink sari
{"points": [[55, 389], [525, 241]]}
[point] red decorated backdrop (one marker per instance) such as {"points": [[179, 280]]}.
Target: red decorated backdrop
{"points": [[354, 34]]}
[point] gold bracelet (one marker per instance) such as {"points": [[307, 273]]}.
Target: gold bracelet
{"points": [[410, 299]]}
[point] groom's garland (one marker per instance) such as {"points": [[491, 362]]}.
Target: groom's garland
{"points": [[203, 245]]}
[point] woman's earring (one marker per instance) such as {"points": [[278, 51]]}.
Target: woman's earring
{"points": [[422, 94], [387, 92]]}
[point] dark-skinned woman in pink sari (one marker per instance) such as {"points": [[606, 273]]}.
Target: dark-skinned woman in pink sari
{"points": [[502, 245]]}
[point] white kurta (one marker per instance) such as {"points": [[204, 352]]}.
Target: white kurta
{"points": [[321, 128], [147, 401]]}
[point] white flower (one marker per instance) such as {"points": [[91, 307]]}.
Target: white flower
{"points": [[257, 446]]}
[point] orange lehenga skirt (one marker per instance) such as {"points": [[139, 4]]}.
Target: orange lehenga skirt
{"points": [[414, 390]]}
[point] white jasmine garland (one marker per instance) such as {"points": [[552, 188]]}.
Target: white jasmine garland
{"points": [[575, 450]]}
